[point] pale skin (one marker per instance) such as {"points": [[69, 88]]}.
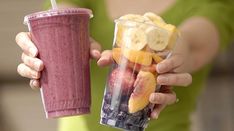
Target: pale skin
{"points": [[197, 47]]}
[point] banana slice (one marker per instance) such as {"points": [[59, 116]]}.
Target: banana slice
{"points": [[157, 39], [172, 31], [134, 39], [136, 31], [173, 35], [119, 35], [133, 17], [154, 18]]}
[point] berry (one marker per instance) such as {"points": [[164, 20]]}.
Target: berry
{"points": [[123, 78]]}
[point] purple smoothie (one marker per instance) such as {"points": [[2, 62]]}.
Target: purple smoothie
{"points": [[62, 38]]}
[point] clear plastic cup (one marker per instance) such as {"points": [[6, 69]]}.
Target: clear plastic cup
{"points": [[132, 77]]}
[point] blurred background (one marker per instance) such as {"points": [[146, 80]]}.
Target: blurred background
{"points": [[21, 108]]}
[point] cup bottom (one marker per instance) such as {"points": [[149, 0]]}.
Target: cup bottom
{"points": [[121, 124], [67, 112]]}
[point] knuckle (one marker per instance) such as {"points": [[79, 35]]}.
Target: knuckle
{"points": [[159, 99], [35, 74], [152, 98], [19, 37], [171, 62], [41, 66], [26, 59], [20, 69]]}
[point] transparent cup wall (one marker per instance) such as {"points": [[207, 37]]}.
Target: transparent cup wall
{"points": [[132, 77]]}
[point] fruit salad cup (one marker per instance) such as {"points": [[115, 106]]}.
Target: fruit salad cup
{"points": [[140, 43]]}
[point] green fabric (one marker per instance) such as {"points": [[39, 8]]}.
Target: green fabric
{"points": [[175, 117]]}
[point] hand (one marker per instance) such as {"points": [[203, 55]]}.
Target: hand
{"points": [[32, 66], [161, 99], [172, 72]]}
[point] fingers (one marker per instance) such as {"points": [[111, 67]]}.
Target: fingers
{"points": [[169, 64], [26, 71], [35, 84], [23, 39], [158, 108], [163, 98], [31, 66], [95, 49], [106, 58], [34, 63], [176, 79]]}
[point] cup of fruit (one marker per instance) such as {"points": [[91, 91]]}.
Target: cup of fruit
{"points": [[140, 43]]}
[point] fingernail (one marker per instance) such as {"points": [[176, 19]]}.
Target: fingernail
{"points": [[33, 51], [37, 65], [31, 83], [155, 115], [160, 67], [162, 80], [34, 85], [96, 53]]}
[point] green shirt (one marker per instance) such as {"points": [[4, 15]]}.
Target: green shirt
{"points": [[175, 117]]}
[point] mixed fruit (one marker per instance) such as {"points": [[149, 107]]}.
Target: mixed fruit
{"points": [[141, 42]]}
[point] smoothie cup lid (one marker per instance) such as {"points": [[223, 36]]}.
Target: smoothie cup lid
{"points": [[57, 12]]}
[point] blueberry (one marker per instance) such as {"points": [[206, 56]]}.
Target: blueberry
{"points": [[132, 119], [137, 120], [142, 122], [108, 98], [119, 124], [104, 120], [124, 99], [121, 116], [146, 112], [128, 126], [106, 108], [113, 114], [124, 107]]}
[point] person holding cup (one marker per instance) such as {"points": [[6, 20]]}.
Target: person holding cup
{"points": [[201, 31]]}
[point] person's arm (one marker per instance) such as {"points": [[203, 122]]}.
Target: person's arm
{"points": [[202, 38]]}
